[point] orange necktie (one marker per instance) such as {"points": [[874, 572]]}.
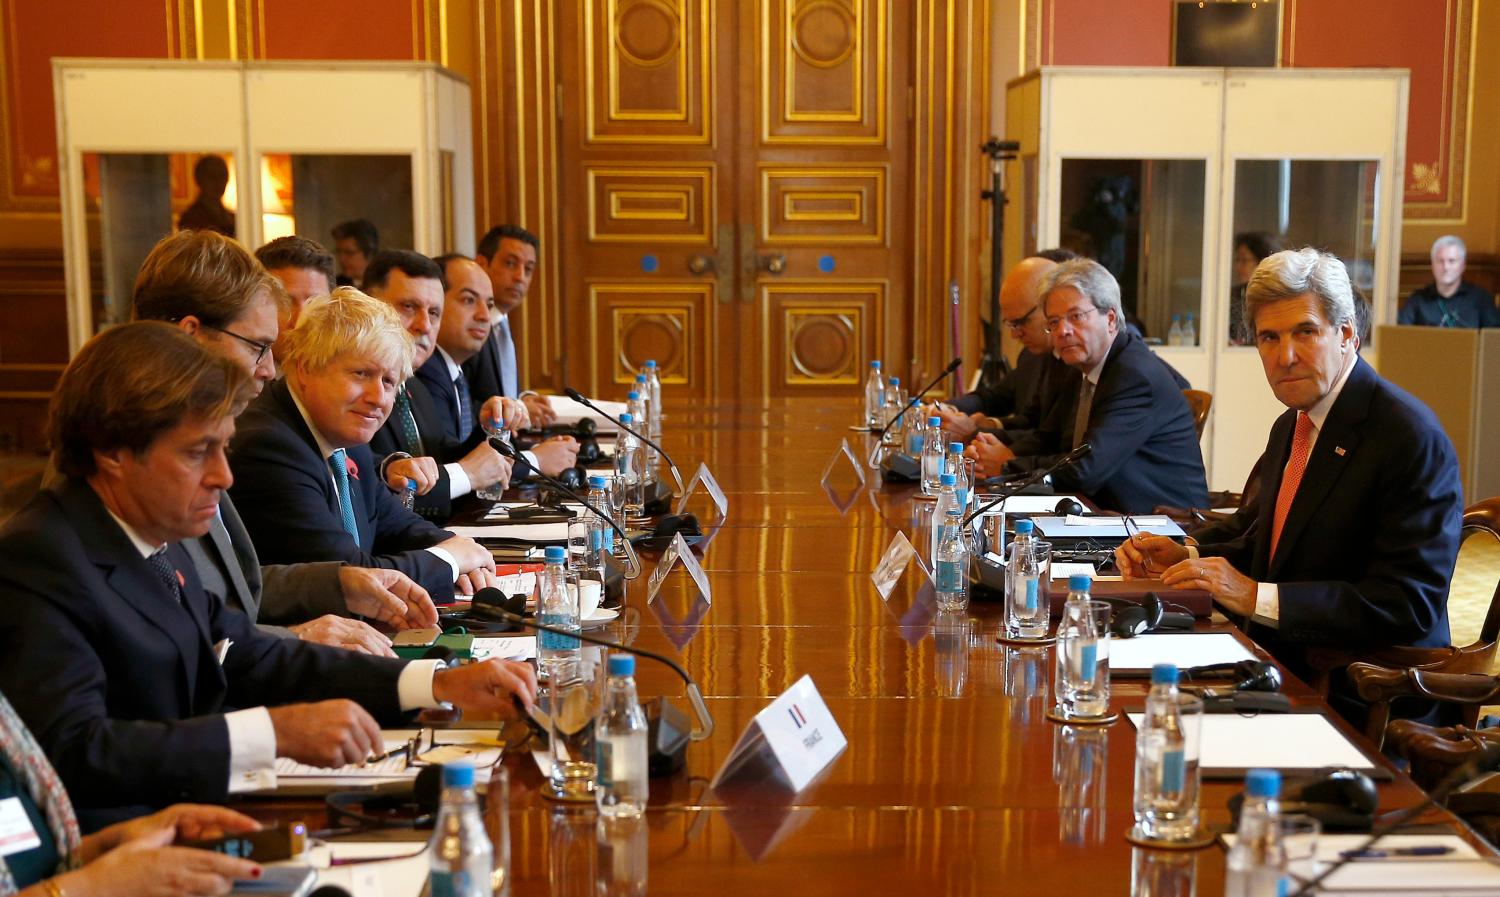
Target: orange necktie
{"points": [[1301, 446]]}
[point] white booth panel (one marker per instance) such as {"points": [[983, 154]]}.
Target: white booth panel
{"points": [[149, 110], [1106, 111], [366, 110]]}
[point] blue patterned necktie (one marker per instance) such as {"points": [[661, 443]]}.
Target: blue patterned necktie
{"points": [[509, 386], [465, 407], [407, 422], [341, 480], [165, 572]]}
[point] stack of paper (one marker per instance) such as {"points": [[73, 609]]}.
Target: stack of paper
{"points": [[571, 412]]}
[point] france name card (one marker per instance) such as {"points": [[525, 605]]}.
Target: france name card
{"points": [[893, 563], [712, 485], [795, 736], [678, 552]]}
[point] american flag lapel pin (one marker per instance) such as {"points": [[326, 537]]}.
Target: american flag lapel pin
{"points": [[1338, 450]]}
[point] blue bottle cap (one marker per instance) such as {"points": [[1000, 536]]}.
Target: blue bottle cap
{"points": [[895, 381], [947, 479], [956, 448], [633, 396], [555, 554], [626, 418], [651, 362], [1024, 526], [875, 365], [1164, 674], [934, 421], [640, 378], [1079, 582], [1263, 783], [458, 775], [622, 664], [411, 485], [598, 482]]}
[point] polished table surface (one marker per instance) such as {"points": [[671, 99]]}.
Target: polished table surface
{"points": [[953, 780]]}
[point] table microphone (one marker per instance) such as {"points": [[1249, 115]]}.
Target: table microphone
{"points": [[1035, 477], [510, 452], [665, 738], [579, 397], [911, 403], [1487, 761]]}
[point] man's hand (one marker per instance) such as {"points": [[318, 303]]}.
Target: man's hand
{"points": [[479, 578], [540, 410], [188, 822], [423, 470], [485, 467], [556, 454], [957, 425], [147, 867], [328, 734], [342, 632], [989, 454], [1145, 555], [389, 596], [498, 412], [486, 687], [468, 554], [1234, 591]]}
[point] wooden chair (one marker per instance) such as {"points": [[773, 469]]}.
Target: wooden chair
{"points": [[1452, 675], [1200, 402]]}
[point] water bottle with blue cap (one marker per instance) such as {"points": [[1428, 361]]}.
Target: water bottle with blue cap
{"points": [[1166, 761], [1081, 682]]}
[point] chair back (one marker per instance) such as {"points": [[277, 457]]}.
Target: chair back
{"points": [[1200, 402]]}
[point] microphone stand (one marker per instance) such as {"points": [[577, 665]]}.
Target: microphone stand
{"points": [[579, 397], [953, 365], [704, 726], [510, 452]]}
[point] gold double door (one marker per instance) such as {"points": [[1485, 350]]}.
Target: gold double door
{"points": [[733, 183]]}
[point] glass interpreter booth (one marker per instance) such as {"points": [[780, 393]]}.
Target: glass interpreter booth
{"points": [[1179, 179], [255, 150]]}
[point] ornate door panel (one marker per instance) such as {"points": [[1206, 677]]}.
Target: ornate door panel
{"points": [[727, 177]]}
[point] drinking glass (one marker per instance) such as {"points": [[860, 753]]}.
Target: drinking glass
{"points": [[574, 694], [1082, 672], [1027, 609]]}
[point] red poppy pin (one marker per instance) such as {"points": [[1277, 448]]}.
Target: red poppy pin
{"points": [[350, 466]]}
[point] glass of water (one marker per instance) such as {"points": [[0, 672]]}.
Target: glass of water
{"points": [[574, 694], [494, 491], [1081, 682], [1027, 610]]}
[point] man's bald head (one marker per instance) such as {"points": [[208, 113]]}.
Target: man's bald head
{"points": [[1020, 299]]}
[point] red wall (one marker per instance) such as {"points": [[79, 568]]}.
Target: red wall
{"points": [[1106, 32]]}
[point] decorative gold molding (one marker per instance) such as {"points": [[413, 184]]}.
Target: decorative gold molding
{"points": [[831, 175], [641, 178], [856, 114], [1457, 106], [878, 291], [704, 133]]}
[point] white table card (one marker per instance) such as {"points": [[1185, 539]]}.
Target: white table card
{"points": [[678, 552], [796, 736], [893, 563], [712, 485]]}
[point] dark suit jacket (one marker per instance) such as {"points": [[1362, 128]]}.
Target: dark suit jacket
{"points": [[437, 503], [1145, 447], [434, 376], [120, 683], [483, 372], [285, 494], [1371, 538], [1043, 427]]}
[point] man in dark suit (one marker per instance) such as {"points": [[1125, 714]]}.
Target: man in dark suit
{"points": [[111, 651], [211, 289], [1127, 407], [1352, 538], [446, 467], [306, 482], [508, 255]]}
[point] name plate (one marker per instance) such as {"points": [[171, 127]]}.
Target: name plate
{"points": [[712, 485], [844, 451], [795, 738], [893, 563], [678, 553]]}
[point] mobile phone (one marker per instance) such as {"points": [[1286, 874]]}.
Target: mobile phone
{"points": [[415, 638]]}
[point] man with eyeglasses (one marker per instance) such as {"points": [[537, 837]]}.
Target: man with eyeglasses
{"points": [[1023, 400], [1128, 407], [216, 292]]}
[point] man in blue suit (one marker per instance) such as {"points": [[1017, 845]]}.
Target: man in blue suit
{"points": [[1355, 530], [143, 688], [306, 482], [1128, 406]]}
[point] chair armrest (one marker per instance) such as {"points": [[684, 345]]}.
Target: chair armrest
{"points": [[1381, 684]]}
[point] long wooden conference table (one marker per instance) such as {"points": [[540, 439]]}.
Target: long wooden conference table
{"points": [[953, 780]]}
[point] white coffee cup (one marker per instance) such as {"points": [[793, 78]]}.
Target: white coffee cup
{"points": [[590, 592]]}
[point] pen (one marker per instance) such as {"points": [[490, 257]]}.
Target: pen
{"points": [[1430, 850]]}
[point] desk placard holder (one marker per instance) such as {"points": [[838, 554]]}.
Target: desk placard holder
{"points": [[893, 563], [843, 451], [721, 501], [677, 553], [789, 743]]}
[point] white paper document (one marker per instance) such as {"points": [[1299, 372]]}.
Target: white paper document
{"points": [[527, 532], [1031, 504], [1459, 869], [477, 746], [1186, 649], [505, 647], [1075, 527], [1064, 570], [372, 868], [1285, 741], [571, 412]]}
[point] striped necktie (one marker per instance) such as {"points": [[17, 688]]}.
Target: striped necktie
{"points": [[411, 439], [346, 503]]}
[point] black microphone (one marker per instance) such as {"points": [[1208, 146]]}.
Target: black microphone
{"points": [[913, 402], [1487, 761], [666, 746], [510, 452], [1035, 477], [579, 397]]}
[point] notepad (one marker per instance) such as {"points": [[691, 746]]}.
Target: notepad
{"points": [[1461, 870], [507, 647], [1032, 504], [476, 746], [519, 532], [1233, 744], [1186, 649], [1075, 527]]}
